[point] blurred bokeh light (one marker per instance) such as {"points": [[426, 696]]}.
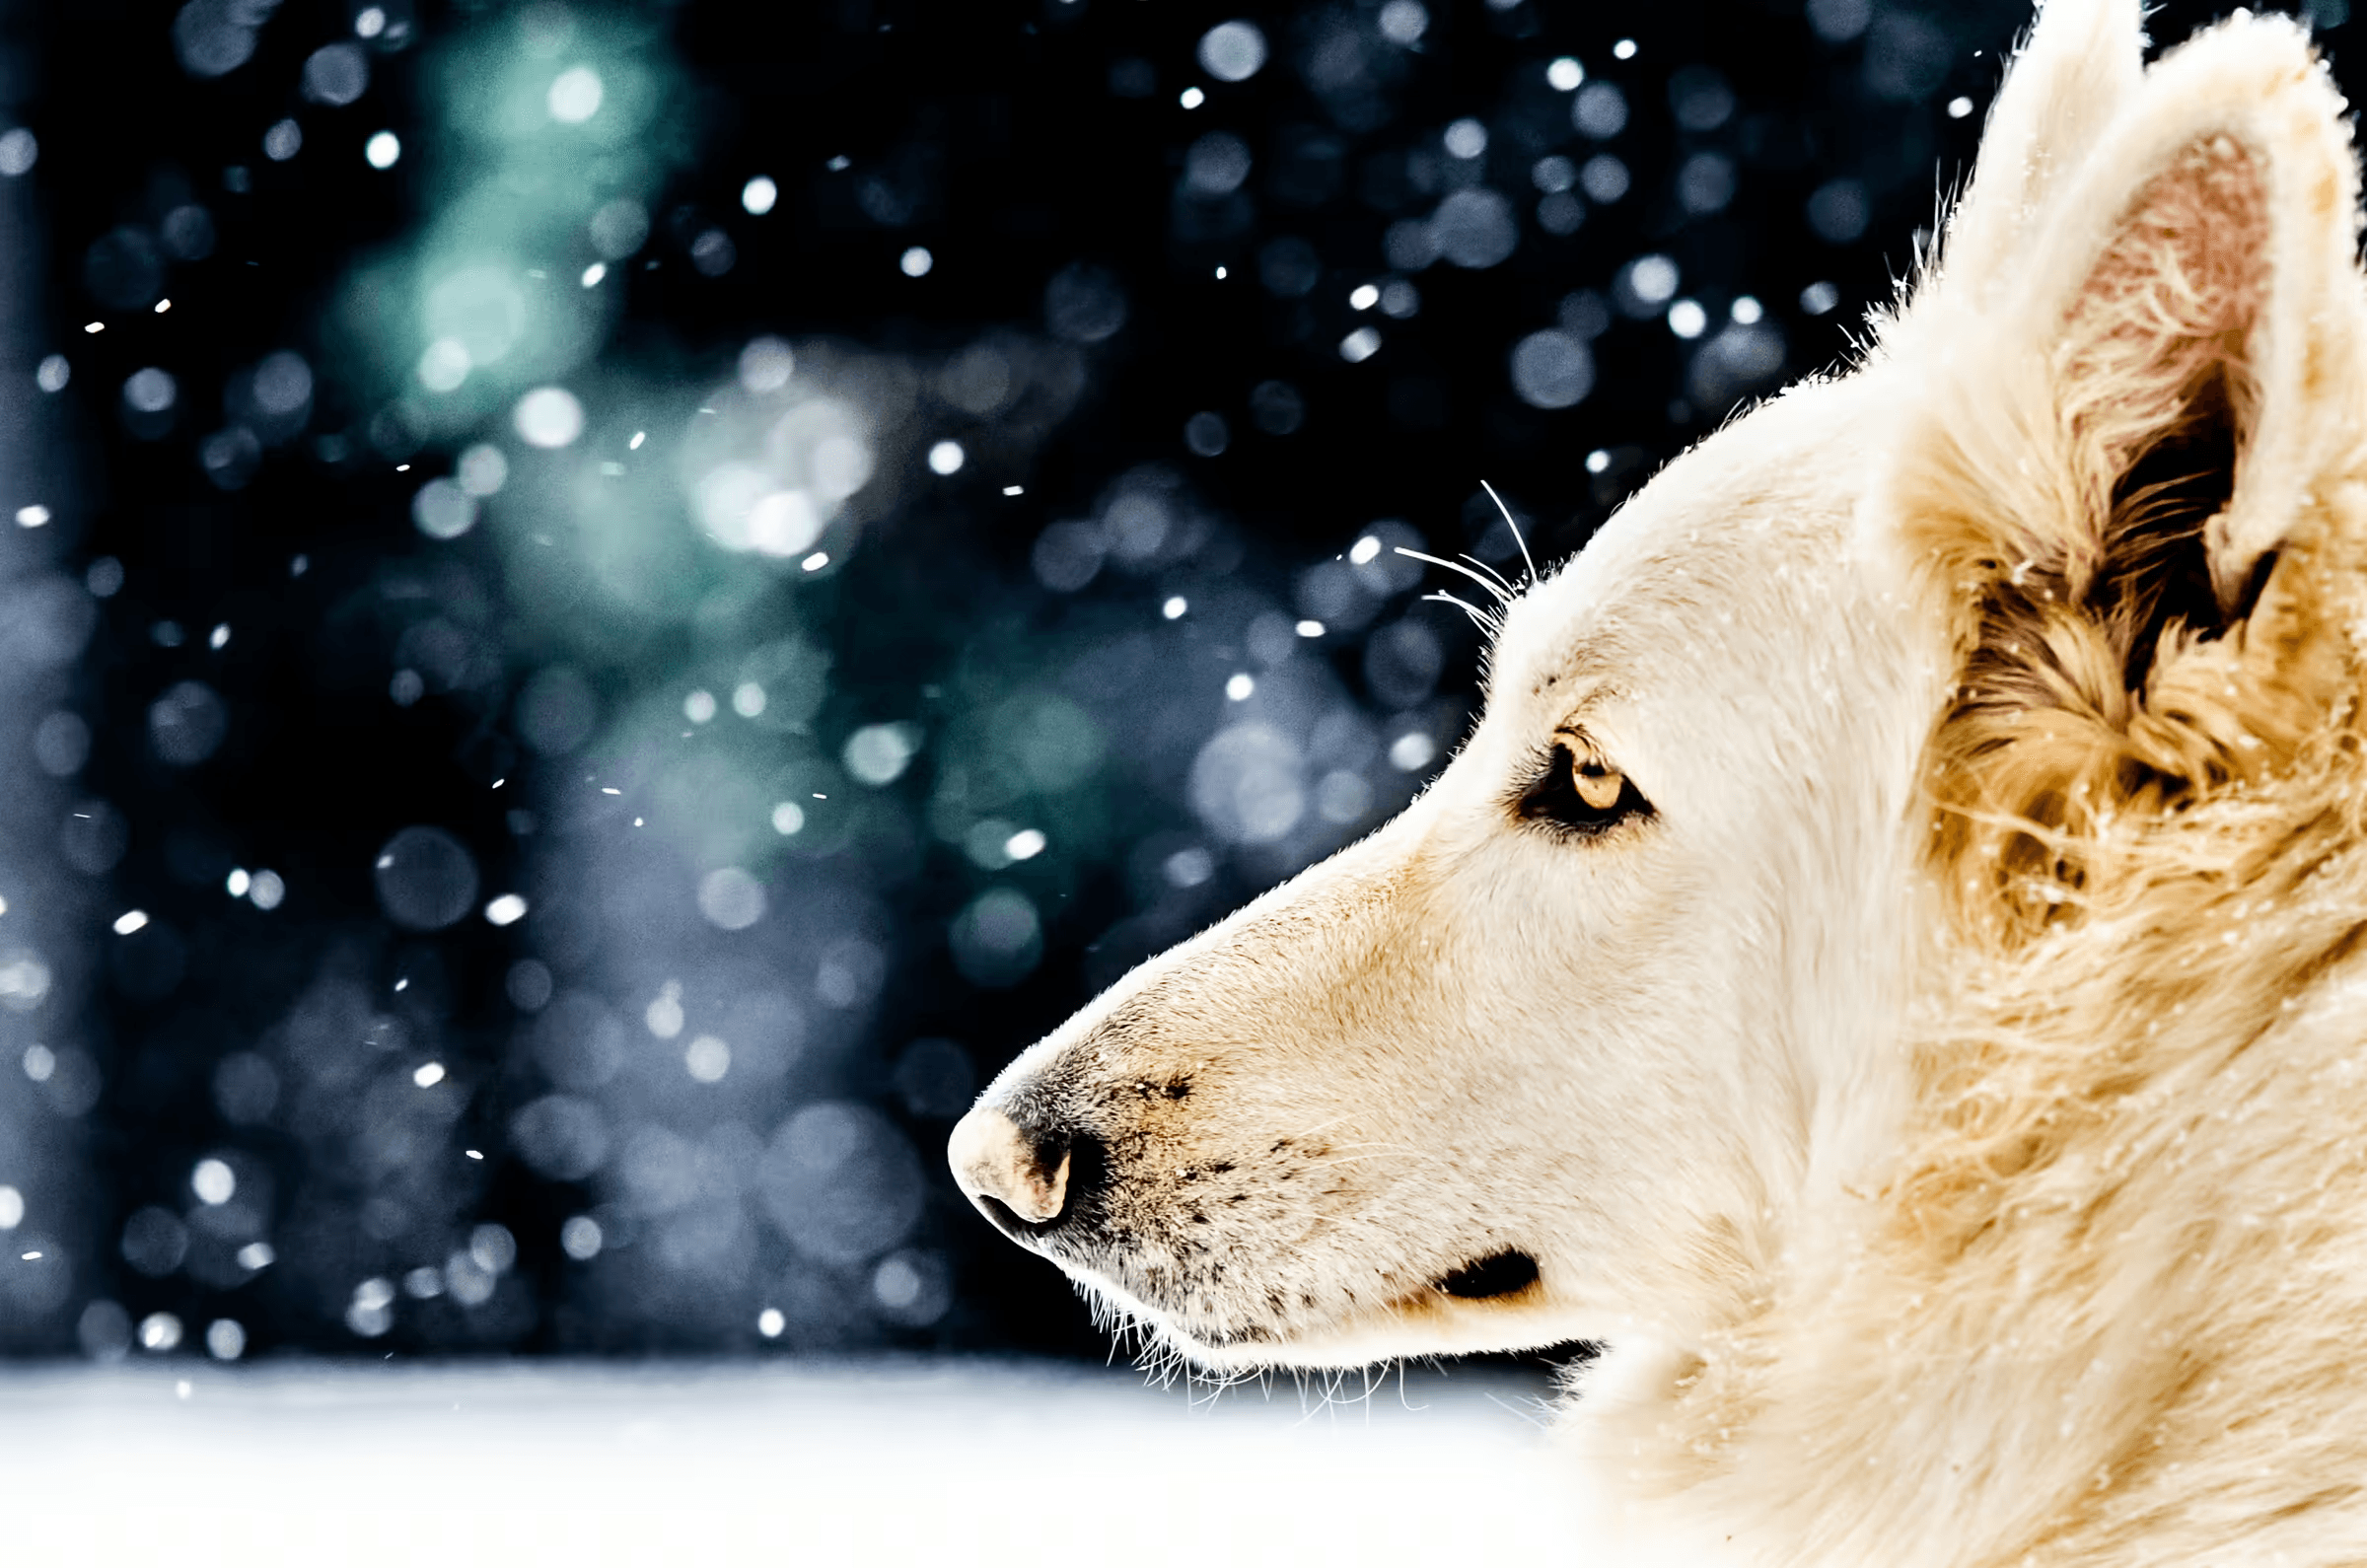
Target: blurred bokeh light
{"points": [[610, 605]]}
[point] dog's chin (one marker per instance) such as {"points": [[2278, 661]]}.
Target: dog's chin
{"points": [[1497, 1304]]}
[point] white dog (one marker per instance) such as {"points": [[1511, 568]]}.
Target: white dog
{"points": [[1887, 963]]}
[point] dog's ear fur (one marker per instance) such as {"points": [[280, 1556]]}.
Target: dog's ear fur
{"points": [[2132, 468], [2080, 64]]}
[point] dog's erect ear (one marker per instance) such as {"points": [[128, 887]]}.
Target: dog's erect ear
{"points": [[2080, 64], [2149, 412], [2200, 252]]}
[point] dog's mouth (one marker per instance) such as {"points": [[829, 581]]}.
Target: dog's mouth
{"points": [[1499, 1301], [1495, 1301], [1494, 1277]]}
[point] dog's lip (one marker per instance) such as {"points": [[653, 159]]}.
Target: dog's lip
{"points": [[1500, 1275], [1495, 1286], [1508, 1276], [1506, 1307]]}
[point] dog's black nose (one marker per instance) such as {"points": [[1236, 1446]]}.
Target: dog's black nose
{"points": [[995, 1159]]}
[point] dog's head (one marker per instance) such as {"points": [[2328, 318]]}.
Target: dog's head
{"points": [[1583, 1042]]}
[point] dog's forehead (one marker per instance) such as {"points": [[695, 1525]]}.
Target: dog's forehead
{"points": [[1694, 557]]}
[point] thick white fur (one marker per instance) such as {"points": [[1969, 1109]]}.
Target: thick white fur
{"points": [[1949, 1107]]}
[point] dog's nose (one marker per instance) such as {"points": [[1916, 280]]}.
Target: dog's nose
{"points": [[994, 1158]]}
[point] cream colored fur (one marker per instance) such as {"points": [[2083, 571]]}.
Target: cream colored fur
{"points": [[1949, 1107]]}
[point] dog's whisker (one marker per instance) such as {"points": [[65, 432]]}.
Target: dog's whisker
{"points": [[1506, 589], [1381, 1154], [1485, 623], [1526, 559], [1457, 567], [1317, 1129], [1542, 1426]]}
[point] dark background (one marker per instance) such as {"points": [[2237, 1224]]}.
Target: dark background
{"points": [[1784, 157]]}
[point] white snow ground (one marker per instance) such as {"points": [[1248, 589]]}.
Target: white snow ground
{"points": [[974, 1463]]}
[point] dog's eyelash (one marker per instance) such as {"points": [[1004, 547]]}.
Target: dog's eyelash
{"points": [[1551, 797]]}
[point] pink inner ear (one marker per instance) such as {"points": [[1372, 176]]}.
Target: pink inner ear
{"points": [[2165, 323]]}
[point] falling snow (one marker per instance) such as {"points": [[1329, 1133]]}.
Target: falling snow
{"points": [[615, 675]]}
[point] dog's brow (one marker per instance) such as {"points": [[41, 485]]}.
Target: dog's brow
{"points": [[1575, 663]]}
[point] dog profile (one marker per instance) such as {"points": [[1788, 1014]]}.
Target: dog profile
{"points": [[1886, 963]]}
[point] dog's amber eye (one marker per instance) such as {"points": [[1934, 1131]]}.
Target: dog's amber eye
{"points": [[1597, 785], [1577, 790]]}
